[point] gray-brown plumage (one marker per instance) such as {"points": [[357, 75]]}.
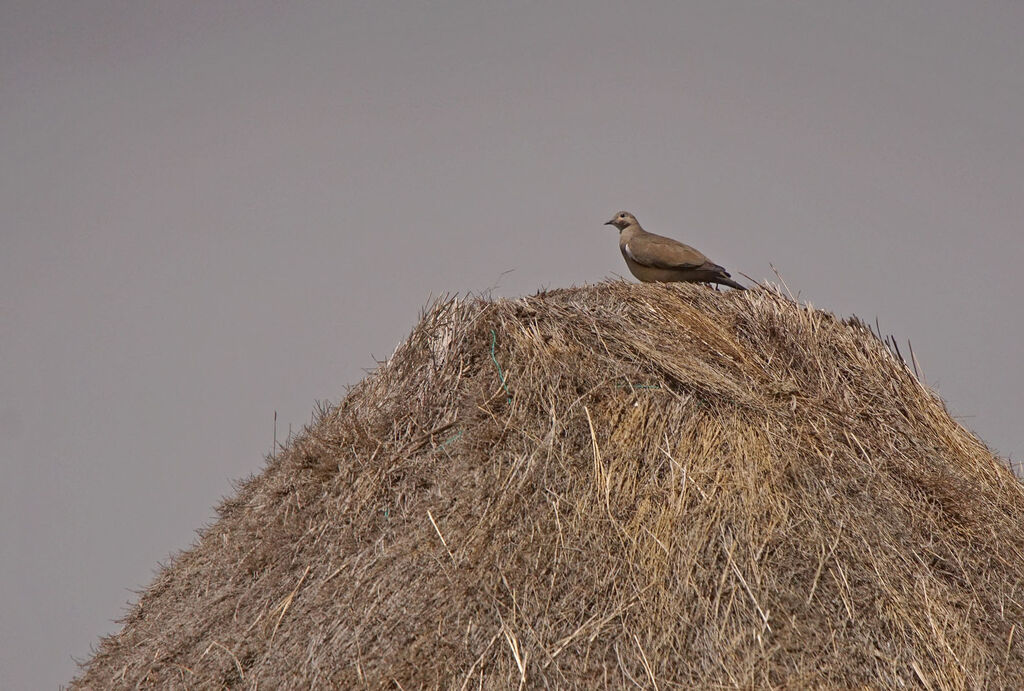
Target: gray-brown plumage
{"points": [[653, 258]]}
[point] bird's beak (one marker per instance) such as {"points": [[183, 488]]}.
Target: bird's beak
{"points": [[610, 223]]}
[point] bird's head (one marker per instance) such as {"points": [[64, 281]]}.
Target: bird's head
{"points": [[621, 220]]}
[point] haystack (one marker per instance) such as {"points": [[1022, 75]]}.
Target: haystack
{"points": [[621, 485]]}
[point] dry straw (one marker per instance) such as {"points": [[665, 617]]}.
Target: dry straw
{"points": [[621, 485]]}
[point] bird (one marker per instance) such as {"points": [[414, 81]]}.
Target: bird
{"points": [[653, 258]]}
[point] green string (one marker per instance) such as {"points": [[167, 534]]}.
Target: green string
{"points": [[449, 440], [494, 340], [620, 385]]}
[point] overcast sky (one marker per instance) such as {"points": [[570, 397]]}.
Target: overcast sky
{"points": [[214, 210]]}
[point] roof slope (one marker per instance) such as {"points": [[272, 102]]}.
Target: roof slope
{"points": [[601, 486]]}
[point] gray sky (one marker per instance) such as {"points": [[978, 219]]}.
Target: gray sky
{"points": [[210, 211]]}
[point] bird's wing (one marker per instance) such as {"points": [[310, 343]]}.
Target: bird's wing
{"points": [[663, 253]]}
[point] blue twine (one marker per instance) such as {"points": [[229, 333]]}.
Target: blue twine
{"points": [[494, 340], [620, 385], [450, 439]]}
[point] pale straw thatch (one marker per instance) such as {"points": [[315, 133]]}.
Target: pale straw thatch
{"points": [[611, 486]]}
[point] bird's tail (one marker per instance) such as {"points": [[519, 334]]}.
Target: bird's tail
{"points": [[725, 281]]}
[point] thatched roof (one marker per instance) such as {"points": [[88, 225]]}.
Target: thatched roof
{"points": [[659, 485]]}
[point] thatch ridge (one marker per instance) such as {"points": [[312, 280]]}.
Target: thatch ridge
{"points": [[615, 485]]}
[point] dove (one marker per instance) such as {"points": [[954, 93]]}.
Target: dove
{"points": [[653, 258]]}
